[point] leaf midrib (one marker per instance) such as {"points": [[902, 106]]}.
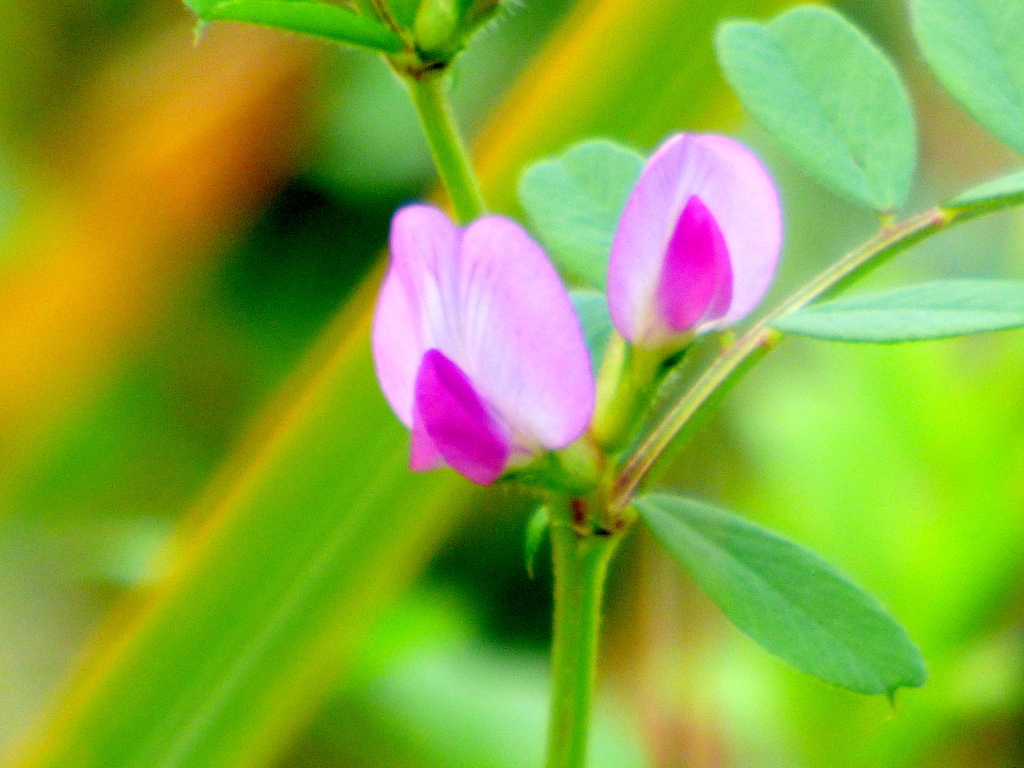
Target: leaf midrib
{"points": [[797, 608]]}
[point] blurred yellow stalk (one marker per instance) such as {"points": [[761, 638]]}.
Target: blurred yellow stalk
{"points": [[174, 156]]}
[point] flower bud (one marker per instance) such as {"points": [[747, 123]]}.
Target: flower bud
{"points": [[697, 244], [437, 28]]}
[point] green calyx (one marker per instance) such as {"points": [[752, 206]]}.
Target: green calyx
{"points": [[577, 469]]}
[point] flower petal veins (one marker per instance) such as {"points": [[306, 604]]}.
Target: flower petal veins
{"points": [[476, 345]]}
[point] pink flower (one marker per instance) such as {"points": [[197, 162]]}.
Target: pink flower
{"points": [[697, 244], [477, 347]]}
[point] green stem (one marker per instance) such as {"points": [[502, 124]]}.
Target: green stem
{"points": [[430, 96], [761, 337], [627, 377], [580, 564]]}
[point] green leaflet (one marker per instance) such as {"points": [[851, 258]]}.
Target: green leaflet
{"points": [[998, 193], [312, 18], [829, 97], [574, 202], [592, 310], [786, 598], [935, 310], [404, 12], [974, 48]]}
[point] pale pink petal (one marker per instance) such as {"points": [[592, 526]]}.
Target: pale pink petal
{"points": [[742, 197], [696, 278], [456, 423], [523, 346], [641, 239], [477, 346], [731, 182], [409, 317]]}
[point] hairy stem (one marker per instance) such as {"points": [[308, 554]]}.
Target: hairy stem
{"points": [[454, 166], [889, 242], [581, 564]]}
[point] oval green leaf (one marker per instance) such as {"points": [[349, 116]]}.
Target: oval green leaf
{"points": [[829, 97], [311, 18], [574, 203], [938, 310], [974, 47], [789, 600]]}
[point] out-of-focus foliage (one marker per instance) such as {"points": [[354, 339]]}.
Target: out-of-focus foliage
{"points": [[974, 48], [186, 220], [429, 692]]}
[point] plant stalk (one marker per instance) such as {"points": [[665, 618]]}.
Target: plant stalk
{"points": [[581, 565], [429, 94]]}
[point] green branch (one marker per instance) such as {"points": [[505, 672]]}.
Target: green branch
{"points": [[581, 559], [733, 361]]}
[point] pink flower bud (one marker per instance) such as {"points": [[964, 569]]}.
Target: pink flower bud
{"points": [[698, 242]]}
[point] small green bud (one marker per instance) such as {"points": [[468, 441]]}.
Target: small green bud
{"points": [[436, 27]]}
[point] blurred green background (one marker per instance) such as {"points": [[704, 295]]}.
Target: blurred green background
{"points": [[184, 232]]}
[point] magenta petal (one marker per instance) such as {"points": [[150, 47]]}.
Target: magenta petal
{"points": [[523, 345], [696, 280], [457, 422], [738, 192]]}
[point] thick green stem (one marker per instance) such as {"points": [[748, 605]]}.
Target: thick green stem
{"points": [[581, 564], [430, 96]]}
